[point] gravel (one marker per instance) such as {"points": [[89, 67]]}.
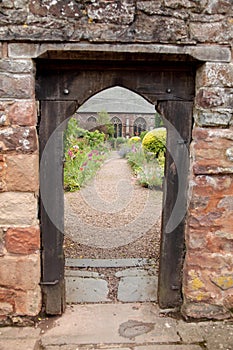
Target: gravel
{"points": [[113, 216]]}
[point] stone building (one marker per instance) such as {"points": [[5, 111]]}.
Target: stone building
{"points": [[40, 42], [128, 112]]}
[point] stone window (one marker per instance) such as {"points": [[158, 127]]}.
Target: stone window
{"points": [[117, 123], [139, 126]]}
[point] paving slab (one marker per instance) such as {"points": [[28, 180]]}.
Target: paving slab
{"points": [[190, 332], [25, 338], [134, 272], [70, 262], [80, 273], [137, 288], [86, 290], [169, 347], [217, 335], [123, 324]]}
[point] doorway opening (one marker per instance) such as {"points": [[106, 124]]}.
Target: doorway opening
{"points": [[167, 85], [113, 199]]}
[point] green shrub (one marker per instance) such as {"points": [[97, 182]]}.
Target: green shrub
{"points": [[134, 139], [143, 134], [155, 141]]}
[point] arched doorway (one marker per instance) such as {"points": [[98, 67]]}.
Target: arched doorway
{"points": [[170, 86]]}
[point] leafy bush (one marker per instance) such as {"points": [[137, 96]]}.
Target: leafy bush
{"points": [[146, 167], [116, 142], [155, 141], [134, 139], [143, 134], [85, 151]]}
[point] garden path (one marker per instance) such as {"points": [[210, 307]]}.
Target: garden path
{"points": [[112, 218]]}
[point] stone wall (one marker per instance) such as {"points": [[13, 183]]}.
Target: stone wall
{"points": [[200, 28]]}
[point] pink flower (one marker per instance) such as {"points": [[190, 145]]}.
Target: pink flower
{"points": [[81, 169], [70, 153]]}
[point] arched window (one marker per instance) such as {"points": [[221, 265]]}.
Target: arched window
{"points": [[92, 120], [117, 127], [139, 126]]}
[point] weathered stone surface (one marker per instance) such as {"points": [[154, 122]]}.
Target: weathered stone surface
{"points": [[137, 288], [210, 149], [66, 9], [20, 139], [177, 4], [224, 282], [18, 209], [17, 86], [16, 66], [23, 50], [215, 74], [22, 173], [209, 32], [215, 117], [22, 240], [211, 97], [204, 310], [28, 302], [20, 272], [18, 16], [157, 29], [86, 290], [219, 6], [22, 113], [112, 12], [5, 308]]}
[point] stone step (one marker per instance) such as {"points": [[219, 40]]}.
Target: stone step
{"points": [[131, 285], [132, 262]]}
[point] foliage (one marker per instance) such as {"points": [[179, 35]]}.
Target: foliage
{"points": [[134, 139], [155, 141], [143, 133], [116, 142], [85, 151], [104, 124], [146, 167], [124, 149], [158, 120]]}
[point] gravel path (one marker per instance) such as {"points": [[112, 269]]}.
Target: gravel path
{"points": [[113, 217]]}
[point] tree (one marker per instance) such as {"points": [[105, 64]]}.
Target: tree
{"points": [[104, 124]]}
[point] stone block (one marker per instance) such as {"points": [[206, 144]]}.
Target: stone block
{"points": [[109, 12], [23, 240], [22, 173], [86, 290], [204, 310], [216, 117], [215, 74], [211, 149], [18, 209], [62, 10], [20, 139], [211, 97], [22, 113], [16, 66], [21, 86], [137, 288], [216, 32], [5, 308], [23, 50], [28, 302], [20, 272], [155, 28]]}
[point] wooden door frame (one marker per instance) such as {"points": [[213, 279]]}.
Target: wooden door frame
{"points": [[170, 86]]}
